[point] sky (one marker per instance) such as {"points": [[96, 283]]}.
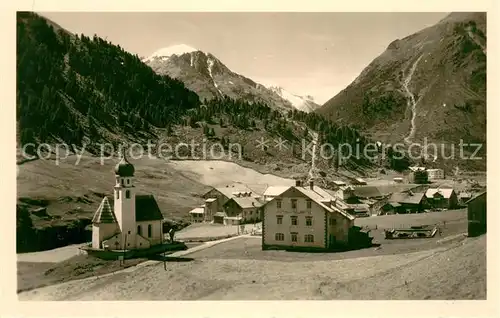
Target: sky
{"points": [[315, 54]]}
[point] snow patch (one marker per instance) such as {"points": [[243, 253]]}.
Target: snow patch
{"points": [[298, 102], [210, 67], [165, 53]]}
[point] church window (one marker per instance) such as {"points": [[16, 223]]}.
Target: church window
{"points": [[150, 230], [123, 182], [127, 194], [139, 230], [117, 194]]}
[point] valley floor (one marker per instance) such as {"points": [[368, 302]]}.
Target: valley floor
{"points": [[447, 267]]}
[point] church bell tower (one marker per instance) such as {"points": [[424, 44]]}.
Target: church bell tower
{"points": [[124, 201]]}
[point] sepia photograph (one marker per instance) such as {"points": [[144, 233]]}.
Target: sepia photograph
{"points": [[251, 155]]}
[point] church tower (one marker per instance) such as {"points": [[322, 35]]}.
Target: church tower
{"points": [[124, 201]]}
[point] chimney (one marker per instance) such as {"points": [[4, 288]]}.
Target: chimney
{"points": [[298, 183], [311, 184]]}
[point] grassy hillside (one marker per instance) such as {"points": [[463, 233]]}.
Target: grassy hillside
{"points": [[448, 83]]}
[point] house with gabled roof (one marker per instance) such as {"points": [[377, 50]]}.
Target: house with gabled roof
{"points": [[242, 210], [134, 222], [304, 216], [443, 198], [407, 202], [217, 197]]}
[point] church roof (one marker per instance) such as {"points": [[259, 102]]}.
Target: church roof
{"points": [[104, 213], [124, 168], [147, 209]]}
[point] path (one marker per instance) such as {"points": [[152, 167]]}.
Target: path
{"points": [[51, 256], [411, 100]]}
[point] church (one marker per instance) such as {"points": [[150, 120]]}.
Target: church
{"points": [[132, 221]]}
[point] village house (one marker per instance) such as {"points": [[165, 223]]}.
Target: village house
{"points": [[216, 198], [134, 222], [405, 202], [442, 198], [359, 182], [476, 215], [304, 217], [197, 215], [344, 193], [241, 210], [463, 197], [339, 183], [435, 174]]}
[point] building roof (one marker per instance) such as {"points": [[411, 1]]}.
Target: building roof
{"points": [[230, 190], [275, 190], [360, 207], [210, 200], [124, 168], [323, 198], [368, 192], [147, 209], [394, 204], [104, 213], [407, 197], [246, 202], [339, 182], [476, 197], [360, 180], [434, 170], [222, 214], [416, 168], [446, 193], [199, 210]]}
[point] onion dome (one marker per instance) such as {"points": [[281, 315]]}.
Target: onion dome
{"points": [[124, 168]]}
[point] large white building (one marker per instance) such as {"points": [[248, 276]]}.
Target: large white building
{"points": [[435, 174], [304, 216], [134, 222]]}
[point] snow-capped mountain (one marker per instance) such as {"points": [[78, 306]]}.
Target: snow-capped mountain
{"points": [[206, 75], [303, 103]]}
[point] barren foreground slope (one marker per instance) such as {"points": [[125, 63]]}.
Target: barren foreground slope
{"points": [[455, 271]]}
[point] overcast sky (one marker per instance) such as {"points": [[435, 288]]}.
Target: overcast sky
{"points": [[306, 53]]}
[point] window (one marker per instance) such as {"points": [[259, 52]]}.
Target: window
{"points": [[309, 238], [279, 219], [278, 204], [139, 230], [150, 230], [279, 237], [309, 204], [294, 220], [309, 221], [123, 182], [333, 221], [294, 237], [127, 194], [128, 232], [294, 203], [117, 194]]}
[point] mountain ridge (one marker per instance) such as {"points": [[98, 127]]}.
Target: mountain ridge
{"points": [[205, 74], [446, 87]]}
